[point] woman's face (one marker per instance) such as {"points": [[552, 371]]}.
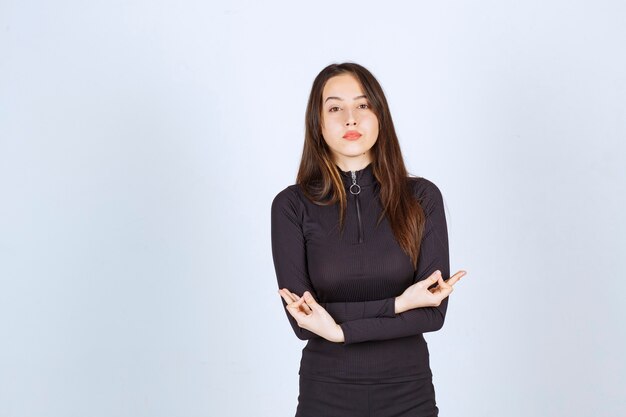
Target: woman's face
{"points": [[345, 109]]}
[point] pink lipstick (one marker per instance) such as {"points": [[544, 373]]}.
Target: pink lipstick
{"points": [[352, 135]]}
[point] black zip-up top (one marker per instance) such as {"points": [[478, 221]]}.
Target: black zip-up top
{"points": [[355, 190], [356, 276]]}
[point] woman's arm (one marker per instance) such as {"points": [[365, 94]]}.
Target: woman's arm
{"points": [[289, 255], [355, 310], [368, 320], [434, 255]]}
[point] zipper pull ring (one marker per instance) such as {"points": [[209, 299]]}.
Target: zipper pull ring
{"points": [[354, 184]]}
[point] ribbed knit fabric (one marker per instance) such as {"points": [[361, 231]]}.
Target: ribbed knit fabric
{"points": [[356, 277]]}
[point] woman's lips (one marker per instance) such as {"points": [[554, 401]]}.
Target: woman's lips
{"points": [[352, 135]]}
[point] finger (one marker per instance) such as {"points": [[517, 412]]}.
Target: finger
{"points": [[437, 297], [305, 306], [297, 303], [308, 302], [308, 297], [286, 296], [295, 308], [432, 278], [437, 285], [287, 299], [443, 283], [443, 289], [456, 277], [293, 295], [283, 296], [442, 294], [296, 312]]}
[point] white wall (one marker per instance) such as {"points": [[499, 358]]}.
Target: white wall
{"points": [[141, 144]]}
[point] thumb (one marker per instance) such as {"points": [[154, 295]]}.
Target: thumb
{"points": [[309, 299], [443, 284], [434, 277]]}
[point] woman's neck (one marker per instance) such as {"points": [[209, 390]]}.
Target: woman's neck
{"points": [[353, 164]]}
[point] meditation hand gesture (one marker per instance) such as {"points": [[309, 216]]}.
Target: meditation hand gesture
{"points": [[312, 316], [418, 294]]}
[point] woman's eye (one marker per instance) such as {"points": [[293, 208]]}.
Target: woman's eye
{"points": [[362, 106]]}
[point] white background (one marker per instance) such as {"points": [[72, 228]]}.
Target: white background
{"points": [[142, 142]]}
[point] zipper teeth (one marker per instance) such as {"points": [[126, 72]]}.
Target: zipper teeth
{"points": [[355, 189], [358, 214]]}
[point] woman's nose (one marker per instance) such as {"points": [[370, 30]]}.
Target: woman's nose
{"points": [[350, 118]]}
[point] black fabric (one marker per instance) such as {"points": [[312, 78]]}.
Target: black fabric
{"points": [[356, 277], [400, 399]]}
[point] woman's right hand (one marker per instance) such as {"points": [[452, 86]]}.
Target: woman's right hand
{"points": [[418, 294]]}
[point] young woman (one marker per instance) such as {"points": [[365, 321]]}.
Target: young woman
{"points": [[360, 250]]}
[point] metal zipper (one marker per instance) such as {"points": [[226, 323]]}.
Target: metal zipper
{"points": [[355, 190]]}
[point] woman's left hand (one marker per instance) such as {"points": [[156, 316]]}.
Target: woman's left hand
{"points": [[312, 316]]}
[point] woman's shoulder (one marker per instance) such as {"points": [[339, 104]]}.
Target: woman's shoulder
{"points": [[423, 186], [288, 198], [288, 193], [426, 191]]}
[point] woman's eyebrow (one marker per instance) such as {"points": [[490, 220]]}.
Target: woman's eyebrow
{"points": [[340, 99]]}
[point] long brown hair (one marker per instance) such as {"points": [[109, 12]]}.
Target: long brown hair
{"points": [[319, 177]]}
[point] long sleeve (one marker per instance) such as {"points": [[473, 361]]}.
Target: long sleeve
{"points": [[290, 264], [434, 254], [348, 311]]}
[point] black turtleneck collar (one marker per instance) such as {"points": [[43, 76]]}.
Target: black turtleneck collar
{"points": [[364, 176]]}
